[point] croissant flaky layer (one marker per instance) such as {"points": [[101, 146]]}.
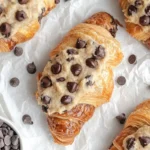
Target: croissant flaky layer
{"points": [[137, 127], [67, 114], [137, 19], [25, 27]]}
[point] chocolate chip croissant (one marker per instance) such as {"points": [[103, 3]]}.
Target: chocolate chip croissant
{"points": [[78, 77], [20, 20], [137, 18], [136, 133]]}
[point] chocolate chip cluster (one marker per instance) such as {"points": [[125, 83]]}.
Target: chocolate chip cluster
{"points": [[76, 70], [9, 140], [143, 20]]}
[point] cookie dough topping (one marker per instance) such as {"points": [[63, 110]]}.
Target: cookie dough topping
{"points": [[139, 140], [69, 74]]}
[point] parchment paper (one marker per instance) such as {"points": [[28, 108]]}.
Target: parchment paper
{"points": [[98, 133]]}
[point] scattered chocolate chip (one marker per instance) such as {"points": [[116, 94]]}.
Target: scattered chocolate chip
{"points": [[144, 140], [21, 15], [72, 52], [57, 1], [130, 143], [18, 51], [31, 68], [138, 2], [46, 82], [89, 80], [80, 44], [4, 131], [72, 87], [45, 99], [1, 10], [70, 59], [100, 52], [121, 80], [121, 118], [66, 99], [76, 69], [7, 140], [147, 10], [5, 29], [144, 20], [14, 82], [23, 1], [41, 15], [61, 79], [45, 109], [132, 59], [113, 31], [56, 68], [27, 119], [132, 9], [91, 63], [88, 77]]}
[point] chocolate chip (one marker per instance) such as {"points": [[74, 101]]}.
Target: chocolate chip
{"points": [[18, 51], [56, 68], [1, 143], [138, 2], [14, 82], [76, 69], [89, 80], [21, 15], [121, 80], [45, 109], [132, 59], [27, 119], [132, 9], [31, 68], [15, 140], [61, 79], [46, 82], [72, 52], [113, 31], [4, 131], [45, 99], [144, 140], [23, 1], [66, 99], [100, 52], [144, 20], [5, 29], [72, 87], [121, 118], [70, 59], [130, 143], [91, 63], [7, 140], [1, 10], [41, 15], [57, 1], [147, 10], [80, 44]]}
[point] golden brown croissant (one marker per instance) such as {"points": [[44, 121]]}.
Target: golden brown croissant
{"points": [[137, 18], [20, 20], [136, 133], [78, 77]]}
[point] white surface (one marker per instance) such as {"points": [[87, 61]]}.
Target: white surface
{"points": [[99, 132]]}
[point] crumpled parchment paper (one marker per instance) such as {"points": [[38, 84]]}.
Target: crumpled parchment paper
{"points": [[98, 133]]}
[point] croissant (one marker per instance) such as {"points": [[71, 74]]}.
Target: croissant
{"points": [[20, 20], [137, 18], [136, 132], [78, 77]]}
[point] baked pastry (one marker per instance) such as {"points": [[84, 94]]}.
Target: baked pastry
{"points": [[78, 77], [137, 18], [136, 133], [20, 20]]}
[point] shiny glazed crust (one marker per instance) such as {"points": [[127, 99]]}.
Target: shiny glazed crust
{"points": [[26, 32], [136, 120], [136, 30], [65, 127]]}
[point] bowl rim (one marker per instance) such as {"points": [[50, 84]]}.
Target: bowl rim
{"points": [[12, 125]]}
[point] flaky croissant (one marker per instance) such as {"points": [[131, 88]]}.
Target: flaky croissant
{"points": [[20, 20], [137, 18], [136, 132], [78, 77]]}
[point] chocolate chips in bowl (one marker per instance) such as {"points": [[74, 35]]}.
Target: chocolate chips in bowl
{"points": [[9, 136]]}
